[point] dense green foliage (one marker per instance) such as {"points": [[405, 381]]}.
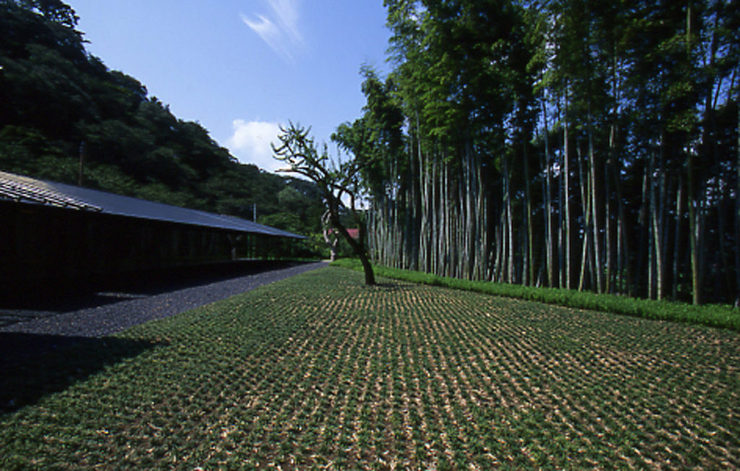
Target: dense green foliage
{"points": [[588, 145], [711, 315], [61, 105], [322, 372]]}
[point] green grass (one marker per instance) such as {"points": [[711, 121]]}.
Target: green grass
{"points": [[321, 372], [723, 316]]}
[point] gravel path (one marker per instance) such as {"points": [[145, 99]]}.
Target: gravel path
{"points": [[108, 313]]}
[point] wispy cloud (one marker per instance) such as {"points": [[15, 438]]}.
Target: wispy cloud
{"points": [[279, 29], [250, 143]]}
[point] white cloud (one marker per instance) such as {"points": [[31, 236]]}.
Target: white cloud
{"points": [[280, 33], [250, 143], [287, 14]]}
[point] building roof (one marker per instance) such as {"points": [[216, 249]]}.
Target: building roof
{"points": [[353, 232], [32, 191]]}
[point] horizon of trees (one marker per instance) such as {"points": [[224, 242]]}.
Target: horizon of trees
{"points": [[564, 143], [66, 117]]}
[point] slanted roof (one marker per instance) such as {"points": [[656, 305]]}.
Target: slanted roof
{"points": [[353, 232], [32, 191]]}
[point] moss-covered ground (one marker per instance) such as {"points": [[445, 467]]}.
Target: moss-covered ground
{"points": [[321, 372]]}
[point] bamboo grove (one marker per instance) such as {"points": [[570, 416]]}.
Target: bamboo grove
{"points": [[577, 144]]}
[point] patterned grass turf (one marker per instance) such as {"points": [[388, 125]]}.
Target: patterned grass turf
{"points": [[321, 372]]}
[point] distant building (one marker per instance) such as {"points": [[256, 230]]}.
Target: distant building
{"points": [[354, 233], [52, 231]]}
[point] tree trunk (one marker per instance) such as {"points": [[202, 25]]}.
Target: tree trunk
{"points": [[329, 239], [693, 233], [586, 211], [694, 230], [737, 218], [483, 227], [358, 247], [624, 251], [609, 227], [677, 238], [560, 229], [613, 277], [548, 204], [528, 272], [619, 282], [594, 208], [656, 227], [368, 269], [509, 225], [566, 170], [694, 226], [644, 234]]}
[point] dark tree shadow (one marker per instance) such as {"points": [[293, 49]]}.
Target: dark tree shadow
{"points": [[34, 365], [388, 286]]}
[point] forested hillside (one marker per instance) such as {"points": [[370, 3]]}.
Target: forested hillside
{"points": [[565, 143], [65, 116]]}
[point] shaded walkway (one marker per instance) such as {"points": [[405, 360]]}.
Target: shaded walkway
{"points": [[105, 313]]}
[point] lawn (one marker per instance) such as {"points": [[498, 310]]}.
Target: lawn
{"points": [[319, 371]]}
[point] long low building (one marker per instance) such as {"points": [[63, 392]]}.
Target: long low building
{"points": [[53, 231]]}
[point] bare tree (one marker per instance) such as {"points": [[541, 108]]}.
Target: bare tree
{"points": [[336, 182]]}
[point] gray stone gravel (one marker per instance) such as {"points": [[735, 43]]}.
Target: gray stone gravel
{"points": [[118, 311]]}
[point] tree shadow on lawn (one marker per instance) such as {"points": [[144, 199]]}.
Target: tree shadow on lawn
{"points": [[34, 365], [387, 286]]}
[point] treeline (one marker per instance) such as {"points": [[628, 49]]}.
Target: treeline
{"points": [[581, 144], [65, 116]]}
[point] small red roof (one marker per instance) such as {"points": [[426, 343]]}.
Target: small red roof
{"points": [[354, 233]]}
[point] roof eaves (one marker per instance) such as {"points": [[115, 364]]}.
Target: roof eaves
{"points": [[22, 189]]}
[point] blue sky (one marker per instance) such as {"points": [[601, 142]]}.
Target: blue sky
{"points": [[242, 67]]}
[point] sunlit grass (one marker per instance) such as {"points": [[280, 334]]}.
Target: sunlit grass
{"points": [[723, 316], [319, 371]]}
